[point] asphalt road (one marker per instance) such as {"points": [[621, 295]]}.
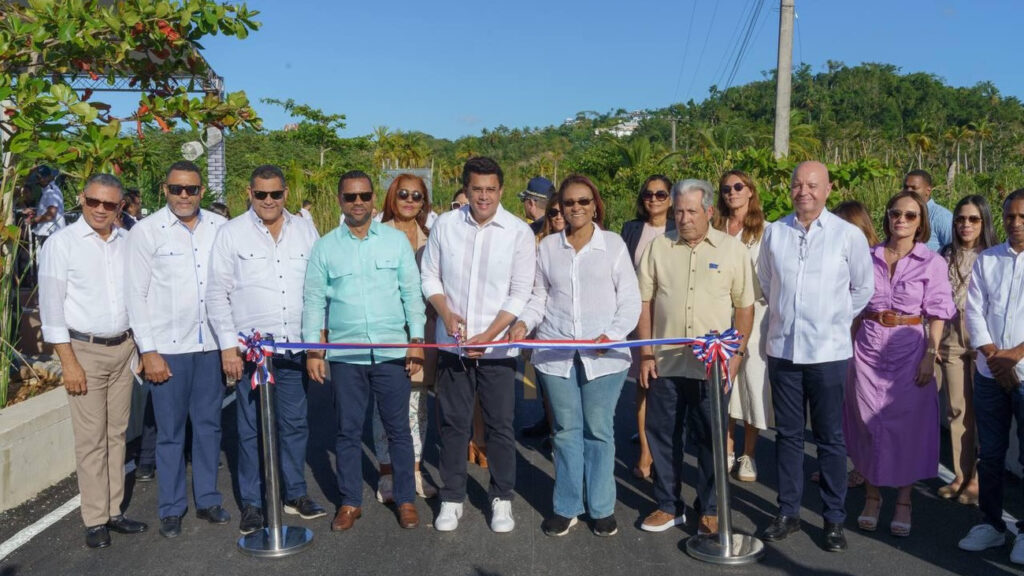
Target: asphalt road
{"points": [[378, 546]]}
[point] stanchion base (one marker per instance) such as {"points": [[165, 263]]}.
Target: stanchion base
{"points": [[746, 549], [293, 539]]}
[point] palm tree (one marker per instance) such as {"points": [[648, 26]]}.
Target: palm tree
{"points": [[982, 131], [957, 135]]}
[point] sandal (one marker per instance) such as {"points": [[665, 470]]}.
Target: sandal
{"points": [[951, 490], [866, 522], [854, 479], [900, 529]]}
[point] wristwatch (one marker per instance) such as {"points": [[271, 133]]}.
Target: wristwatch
{"points": [[416, 341]]}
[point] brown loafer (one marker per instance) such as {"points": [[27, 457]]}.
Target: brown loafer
{"points": [[407, 515], [707, 525], [345, 518]]}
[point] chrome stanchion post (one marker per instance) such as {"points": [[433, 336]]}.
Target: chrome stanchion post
{"points": [[724, 547], [275, 540]]}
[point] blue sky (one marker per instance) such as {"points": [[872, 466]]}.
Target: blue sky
{"points": [[453, 68]]}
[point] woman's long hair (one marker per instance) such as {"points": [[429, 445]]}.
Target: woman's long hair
{"points": [[753, 222]]}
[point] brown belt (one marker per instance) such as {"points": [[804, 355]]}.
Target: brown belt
{"points": [[892, 318]]}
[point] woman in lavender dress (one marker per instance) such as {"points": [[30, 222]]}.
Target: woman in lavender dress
{"points": [[891, 419]]}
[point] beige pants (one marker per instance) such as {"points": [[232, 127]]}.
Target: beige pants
{"points": [[99, 418], [956, 383]]}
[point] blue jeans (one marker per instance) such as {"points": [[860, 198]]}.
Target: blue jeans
{"points": [[290, 408], [193, 392], [584, 414], [994, 407]]}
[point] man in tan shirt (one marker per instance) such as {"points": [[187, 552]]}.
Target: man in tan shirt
{"points": [[692, 281]]}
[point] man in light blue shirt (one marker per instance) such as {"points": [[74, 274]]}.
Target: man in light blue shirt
{"points": [[939, 218], [363, 280]]}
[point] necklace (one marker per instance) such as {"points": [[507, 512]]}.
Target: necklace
{"points": [[897, 253]]}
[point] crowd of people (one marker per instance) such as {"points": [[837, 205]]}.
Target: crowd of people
{"points": [[852, 331]]}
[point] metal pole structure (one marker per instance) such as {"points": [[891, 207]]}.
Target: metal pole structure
{"points": [[274, 541], [784, 79], [725, 547]]}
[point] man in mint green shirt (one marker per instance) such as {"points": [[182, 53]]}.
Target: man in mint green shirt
{"points": [[363, 286]]}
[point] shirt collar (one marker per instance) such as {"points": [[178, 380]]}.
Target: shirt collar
{"points": [[596, 241], [820, 222], [712, 237], [500, 219], [920, 251], [374, 229], [84, 230], [171, 219]]}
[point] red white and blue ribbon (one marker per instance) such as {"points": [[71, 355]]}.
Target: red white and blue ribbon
{"points": [[710, 348], [257, 350]]}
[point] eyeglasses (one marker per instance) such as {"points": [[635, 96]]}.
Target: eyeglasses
{"points": [[660, 195], [96, 202], [350, 197], [456, 205], [177, 189], [262, 195], [555, 212], [725, 190], [895, 214], [582, 202], [973, 219], [416, 195]]}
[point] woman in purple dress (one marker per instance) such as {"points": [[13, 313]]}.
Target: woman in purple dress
{"points": [[891, 418]]}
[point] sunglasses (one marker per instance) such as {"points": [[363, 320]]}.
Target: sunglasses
{"points": [[177, 189], [262, 195], [351, 196], [96, 202], [895, 214], [582, 202], [661, 195], [416, 195], [973, 219], [555, 212], [734, 188], [456, 205]]}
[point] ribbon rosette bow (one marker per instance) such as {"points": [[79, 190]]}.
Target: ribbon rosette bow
{"points": [[715, 347], [255, 353]]}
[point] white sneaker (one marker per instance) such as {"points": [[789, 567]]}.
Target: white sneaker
{"points": [[448, 519], [385, 489], [746, 470], [985, 536], [1017, 556], [501, 516]]}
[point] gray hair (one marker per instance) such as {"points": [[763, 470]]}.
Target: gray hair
{"points": [[108, 180], [690, 184]]}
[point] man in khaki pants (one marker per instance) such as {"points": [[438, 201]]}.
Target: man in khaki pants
{"points": [[84, 316]]}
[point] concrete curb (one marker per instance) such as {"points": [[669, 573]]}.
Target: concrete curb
{"points": [[37, 446]]}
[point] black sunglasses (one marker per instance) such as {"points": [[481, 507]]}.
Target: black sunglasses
{"points": [[973, 219], [734, 188], [351, 196], [190, 189], [416, 195], [582, 202], [555, 212], [262, 195], [661, 195], [96, 202]]}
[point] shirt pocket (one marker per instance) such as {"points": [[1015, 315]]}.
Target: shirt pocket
{"points": [[253, 264], [297, 262], [170, 260]]}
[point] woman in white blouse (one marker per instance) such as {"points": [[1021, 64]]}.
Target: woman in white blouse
{"points": [[586, 289]]}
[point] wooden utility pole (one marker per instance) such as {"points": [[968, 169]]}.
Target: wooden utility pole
{"points": [[784, 78]]}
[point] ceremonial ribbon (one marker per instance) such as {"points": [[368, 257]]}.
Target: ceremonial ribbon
{"points": [[256, 351], [710, 348]]}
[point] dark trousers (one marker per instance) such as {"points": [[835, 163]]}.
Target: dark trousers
{"points": [[795, 386], [390, 386], [458, 386], [147, 443], [292, 430], [677, 407], [994, 408], [194, 391]]}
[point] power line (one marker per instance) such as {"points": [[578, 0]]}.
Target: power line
{"points": [[686, 52], [746, 42], [729, 56], [703, 48]]}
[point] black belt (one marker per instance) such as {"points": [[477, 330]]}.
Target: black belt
{"points": [[112, 341]]}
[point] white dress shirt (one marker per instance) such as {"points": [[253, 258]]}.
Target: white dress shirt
{"points": [[81, 283], [51, 196], [255, 281], [995, 303], [168, 266], [580, 296], [816, 281], [481, 270]]}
